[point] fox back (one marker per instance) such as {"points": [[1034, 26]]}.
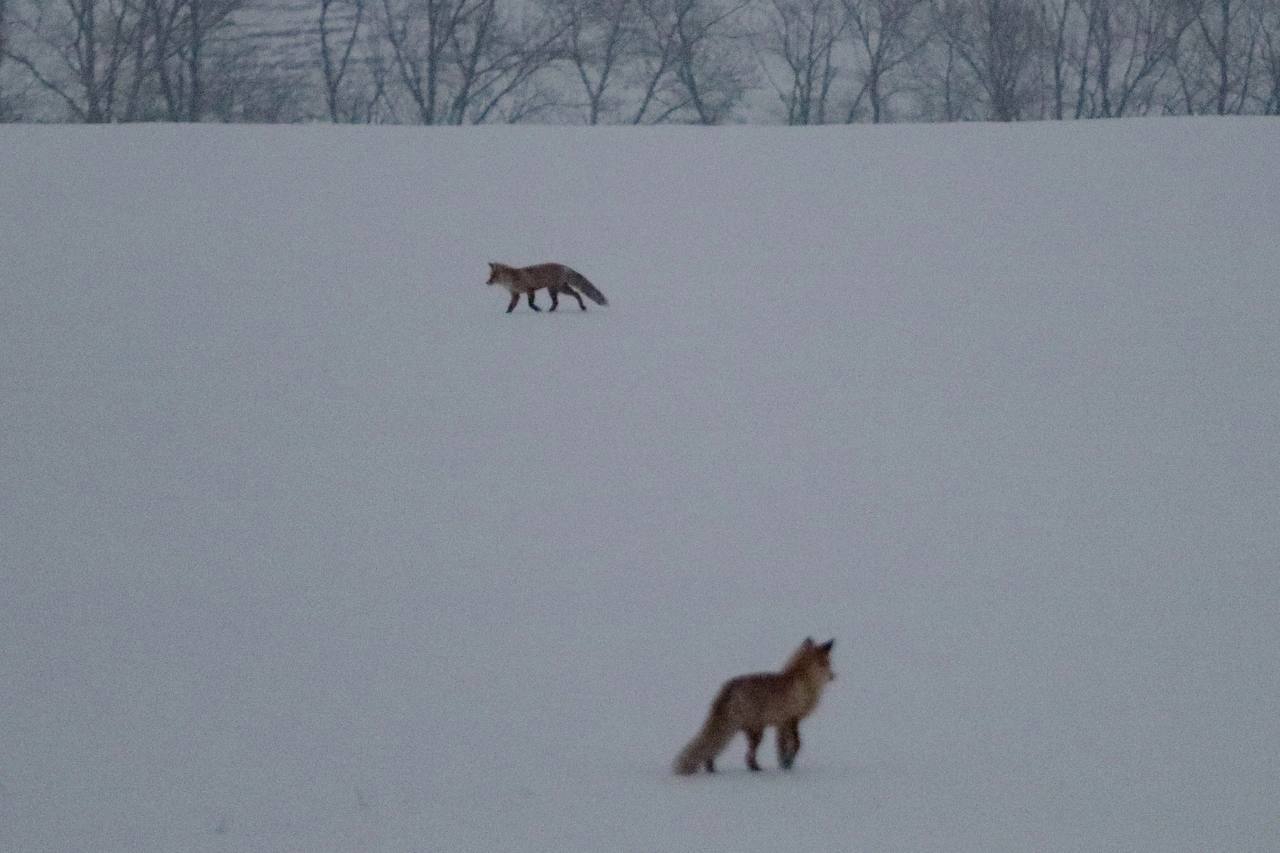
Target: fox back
{"points": [[526, 279], [771, 698]]}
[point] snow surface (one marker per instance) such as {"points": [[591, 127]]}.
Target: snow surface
{"points": [[306, 545]]}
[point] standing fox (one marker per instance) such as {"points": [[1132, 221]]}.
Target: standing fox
{"points": [[752, 703], [556, 278]]}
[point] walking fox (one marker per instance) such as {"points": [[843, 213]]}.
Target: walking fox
{"points": [[556, 278], [752, 703]]}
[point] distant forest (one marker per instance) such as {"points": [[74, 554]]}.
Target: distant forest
{"points": [[634, 61]]}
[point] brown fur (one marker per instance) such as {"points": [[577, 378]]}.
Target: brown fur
{"points": [[556, 278], [752, 703]]}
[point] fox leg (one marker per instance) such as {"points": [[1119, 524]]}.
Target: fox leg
{"points": [[784, 746], [788, 743], [569, 290], [555, 300], [531, 305], [754, 737], [515, 297]]}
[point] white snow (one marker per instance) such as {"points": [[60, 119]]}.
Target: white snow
{"points": [[306, 545]]}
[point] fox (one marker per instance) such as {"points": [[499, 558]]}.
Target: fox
{"points": [[752, 703], [556, 278]]}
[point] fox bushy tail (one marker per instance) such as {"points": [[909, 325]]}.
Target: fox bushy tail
{"points": [[578, 281], [710, 741]]}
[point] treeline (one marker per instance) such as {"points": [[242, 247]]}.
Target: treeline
{"points": [[634, 61]]}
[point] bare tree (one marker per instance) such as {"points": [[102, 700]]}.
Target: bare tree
{"points": [[711, 65], [1131, 43], [494, 62], [181, 32], [1267, 15], [458, 61], [656, 58], [998, 41], [162, 26], [380, 107], [804, 35], [1230, 35], [336, 50], [197, 27], [1060, 24], [882, 32], [693, 64], [637, 61], [941, 85], [419, 32], [6, 109], [244, 82], [12, 95], [77, 51], [600, 36]]}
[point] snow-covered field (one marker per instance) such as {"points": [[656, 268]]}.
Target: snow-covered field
{"points": [[306, 545]]}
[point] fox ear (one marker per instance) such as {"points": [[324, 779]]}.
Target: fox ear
{"points": [[825, 648], [807, 644]]}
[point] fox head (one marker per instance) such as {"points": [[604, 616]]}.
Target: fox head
{"points": [[495, 270], [814, 659]]}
